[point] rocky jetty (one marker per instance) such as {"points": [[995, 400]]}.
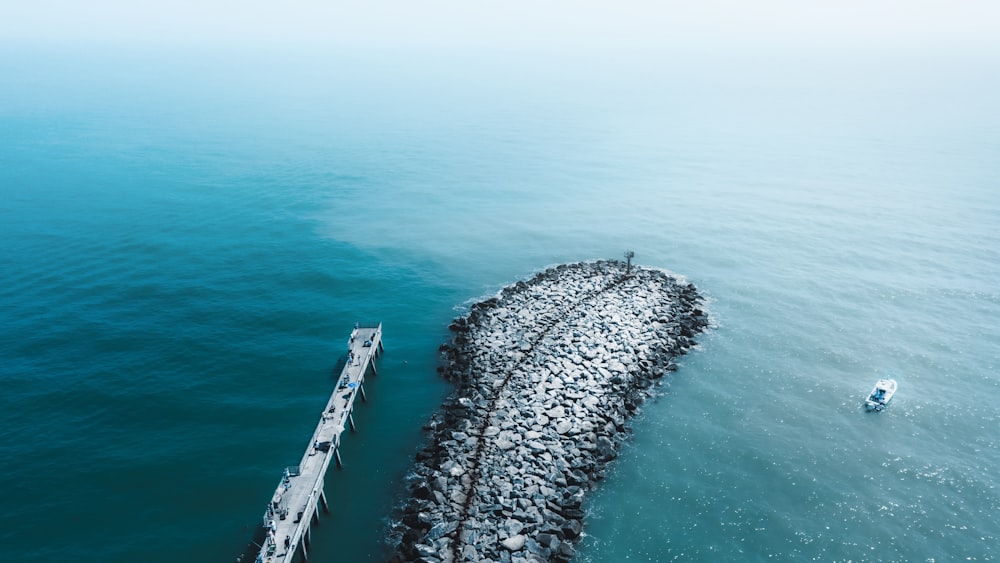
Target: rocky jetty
{"points": [[548, 373]]}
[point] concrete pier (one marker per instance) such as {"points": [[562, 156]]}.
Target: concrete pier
{"points": [[299, 495]]}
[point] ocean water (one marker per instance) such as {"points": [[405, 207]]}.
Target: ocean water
{"points": [[186, 239]]}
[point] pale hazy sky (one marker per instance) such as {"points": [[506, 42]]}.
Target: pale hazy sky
{"points": [[526, 23]]}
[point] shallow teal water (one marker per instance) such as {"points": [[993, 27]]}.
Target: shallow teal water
{"points": [[185, 242]]}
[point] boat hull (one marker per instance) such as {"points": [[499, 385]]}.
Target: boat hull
{"points": [[880, 396]]}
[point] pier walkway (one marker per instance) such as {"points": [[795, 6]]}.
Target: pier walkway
{"points": [[299, 494]]}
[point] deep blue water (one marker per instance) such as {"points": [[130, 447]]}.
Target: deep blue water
{"points": [[187, 238]]}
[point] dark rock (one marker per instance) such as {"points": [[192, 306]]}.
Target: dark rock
{"points": [[533, 547], [546, 539], [566, 551], [572, 514], [572, 528], [412, 520], [421, 492]]}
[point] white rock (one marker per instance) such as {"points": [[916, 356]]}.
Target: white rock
{"points": [[514, 543], [504, 444]]}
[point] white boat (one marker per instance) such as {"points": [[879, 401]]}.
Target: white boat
{"points": [[881, 394]]}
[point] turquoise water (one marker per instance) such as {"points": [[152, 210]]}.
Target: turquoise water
{"points": [[186, 240]]}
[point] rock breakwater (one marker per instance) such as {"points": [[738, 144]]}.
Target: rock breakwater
{"points": [[548, 372]]}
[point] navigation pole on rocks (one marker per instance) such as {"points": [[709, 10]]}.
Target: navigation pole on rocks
{"points": [[628, 264]]}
